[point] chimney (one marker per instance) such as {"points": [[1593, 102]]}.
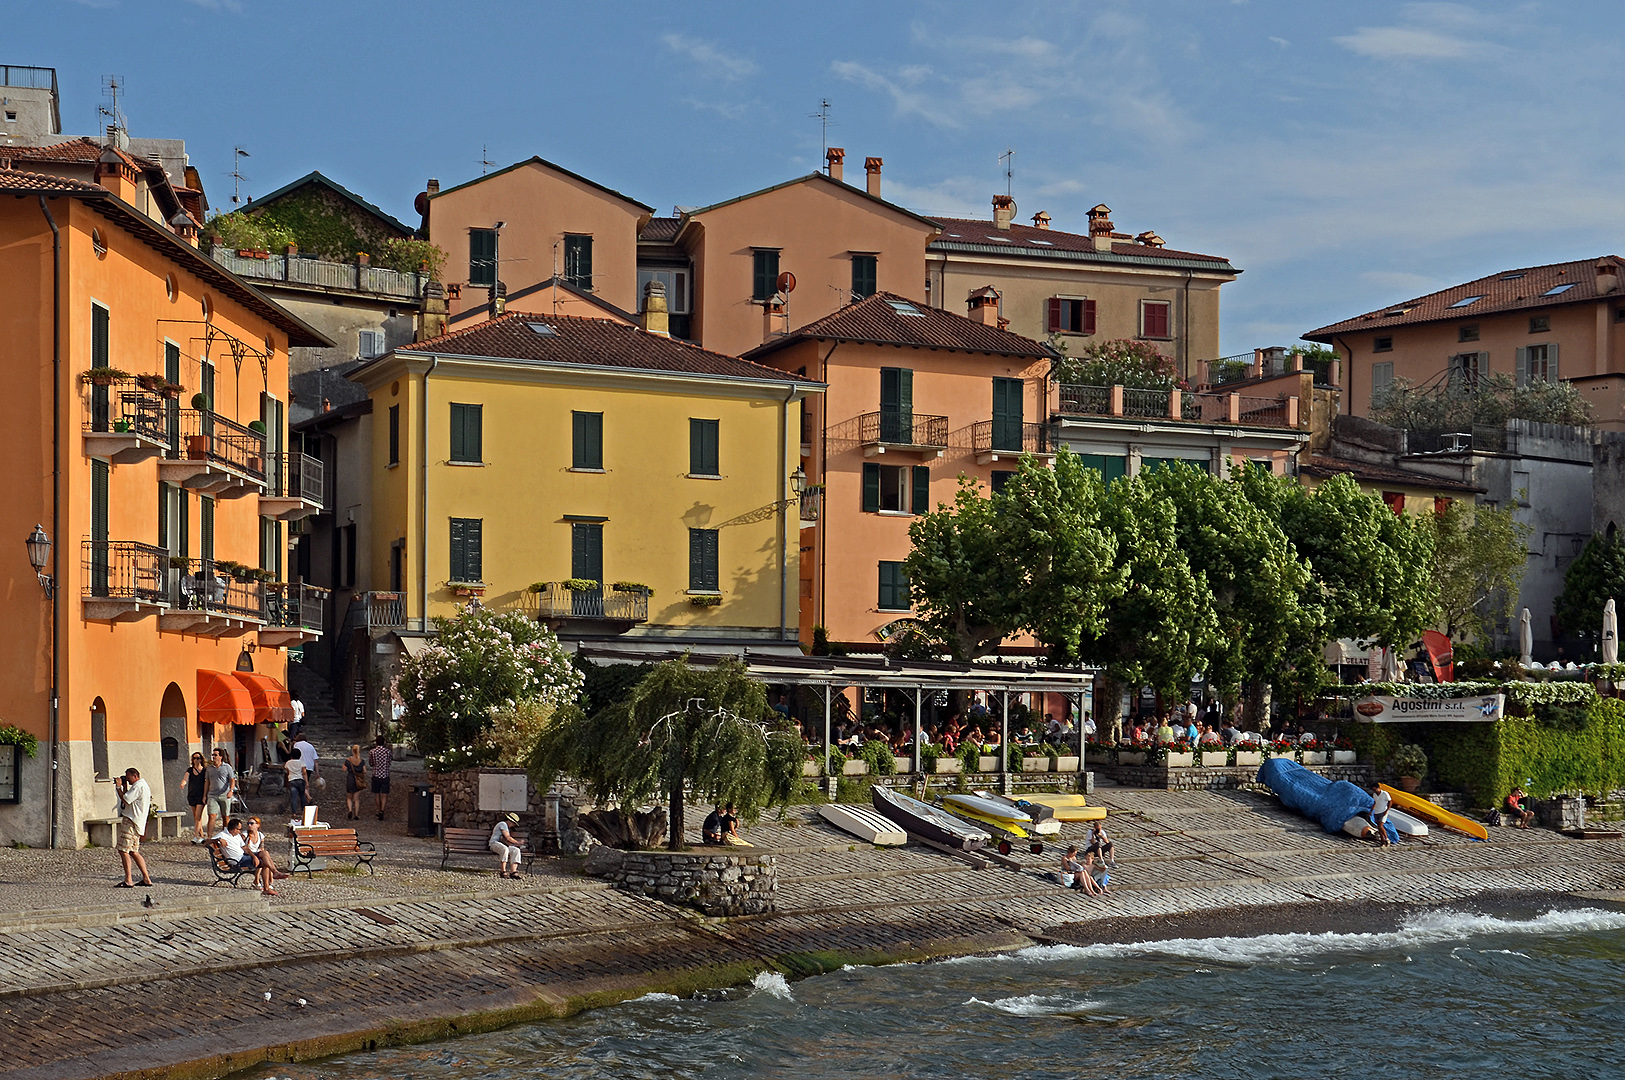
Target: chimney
{"points": [[984, 306], [835, 156], [499, 300], [1041, 220], [1100, 227], [655, 317], [871, 166], [115, 173], [432, 187], [1004, 208], [1149, 239], [432, 312], [1607, 277]]}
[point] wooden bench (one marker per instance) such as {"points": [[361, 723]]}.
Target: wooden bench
{"points": [[478, 842], [225, 871], [312, 844]]}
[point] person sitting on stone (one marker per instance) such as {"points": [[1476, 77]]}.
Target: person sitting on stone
{"points": [[1101, 845], [1075, 872], [730, 826], [1522, 817], [711, 831]]}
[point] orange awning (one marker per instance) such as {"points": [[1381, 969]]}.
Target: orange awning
{"points": [[272, 702], [222, 699]]}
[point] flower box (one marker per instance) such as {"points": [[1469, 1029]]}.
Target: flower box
{"points": [[1177, 760], [1313, 757], [1249, 757], [1343, 757], [810, 768], [949, 765], [1215, 759], [1066, 763], [987, 763], [854, 767], [1094, 756], [1131, 757], [1035, 764], [1290, 755], [902, 765]]}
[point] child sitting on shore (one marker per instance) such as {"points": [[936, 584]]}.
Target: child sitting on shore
{"points": [[1101, 846]]}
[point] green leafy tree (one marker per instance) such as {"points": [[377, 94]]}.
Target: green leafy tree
{"points": [[710, 728], [1123, 362], [1592, 580], [1490, 401], [1479, 555]]}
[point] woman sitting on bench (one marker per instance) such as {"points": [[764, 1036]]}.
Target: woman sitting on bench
{"points": [[264, 869], [507, 849]]}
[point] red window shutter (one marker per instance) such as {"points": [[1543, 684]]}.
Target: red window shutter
{"points": [[1395, 501], [1156, 319], [1088, 316], [1055, 314]]}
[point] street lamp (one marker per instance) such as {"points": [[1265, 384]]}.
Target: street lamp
{"points": [[39, 553], [798, 481]]}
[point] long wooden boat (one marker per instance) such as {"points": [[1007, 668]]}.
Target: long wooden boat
{"points": [[923, 819]]}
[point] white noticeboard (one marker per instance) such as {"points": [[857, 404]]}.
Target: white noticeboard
{"points": [[1382, 709], [504, 791]]}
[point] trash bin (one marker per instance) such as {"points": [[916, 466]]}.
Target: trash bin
{"points": [[420, 811]]}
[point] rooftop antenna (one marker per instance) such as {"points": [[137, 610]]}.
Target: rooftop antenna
{"points": [[485, 160], [1008, 159], [822, 116], [237, 177], [111, 85]]}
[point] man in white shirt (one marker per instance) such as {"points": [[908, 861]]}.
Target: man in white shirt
{"points": [[134, 803], [1381, 802], [230, 840]]}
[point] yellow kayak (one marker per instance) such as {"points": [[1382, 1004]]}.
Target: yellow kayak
{"points": [[1420, 807], [1068, 807], [1004, 818]]}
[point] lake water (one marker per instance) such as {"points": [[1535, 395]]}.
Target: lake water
{"points": [[1449, 993]]}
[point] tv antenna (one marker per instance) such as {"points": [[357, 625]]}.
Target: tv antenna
{"points": [[485, 160], [237, 177], [822, 116], [1008, 160], [111, 85]]}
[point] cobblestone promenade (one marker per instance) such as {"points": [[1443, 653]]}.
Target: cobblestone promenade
{"points": [[94, 983]]}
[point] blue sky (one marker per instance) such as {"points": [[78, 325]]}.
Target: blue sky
{"points": [[1344, 155]]}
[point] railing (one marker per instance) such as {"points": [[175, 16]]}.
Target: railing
{"points": [[811, 500], [1145, 403], [1087, 400], [385, 610], [1263, 412], [323, 273], [302, 478], [125, 406], [902, 429], [208, 589], [124, 570], [1482, 439], [1205, 408], [1017, 439], [208, 435], [1228, 369], [557, 602], [294, 605]]}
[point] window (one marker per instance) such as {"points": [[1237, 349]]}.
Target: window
{"points": [[897, 405], [1109, 466], [1468, 332], [765, 274], [1559, 290], [676, 283], [903, 307], [1071, 315], [466, 436], [164, 510], [1540, 324], [578, 261], [394, 434], [702, 448], [1537, 363], [482, 257], [896, 489], [863, 276], [1466, 368], [587, 551], [1395, 501], [893, 587], [1154, 321], [172, 406], [1382, 377], [1619, 313], [372, 344], [1441, 506], [271, 546], [1382, 344], [702, 560], [183, 522], [205, 530], [98, 527], [1001, 477], [466, 544], [1467, 301], [1007, 394], [587, 440], [98, 740]]}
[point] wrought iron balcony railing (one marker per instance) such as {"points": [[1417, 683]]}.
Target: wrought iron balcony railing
{"points": [[889, 428], [988, 436]]}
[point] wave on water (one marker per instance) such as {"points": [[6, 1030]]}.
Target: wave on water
{"points": [[1427, 928], [655, 996], [1036, 1005], [771, 982]]}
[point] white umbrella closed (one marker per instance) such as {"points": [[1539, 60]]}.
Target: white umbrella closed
{"points": [[1390, 668], [1526, 639], [1610, 634]]}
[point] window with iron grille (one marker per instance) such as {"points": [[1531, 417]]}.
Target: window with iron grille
{"points": [[578, 261]]}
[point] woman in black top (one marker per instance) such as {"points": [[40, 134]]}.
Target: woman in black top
{"points": [[355, 771], [197, 775]]}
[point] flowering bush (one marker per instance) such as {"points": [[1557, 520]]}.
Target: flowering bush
{"points": [[481, 664]]}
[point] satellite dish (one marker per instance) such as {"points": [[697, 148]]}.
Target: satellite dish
{"points": [[787, 282], [421, 203]]}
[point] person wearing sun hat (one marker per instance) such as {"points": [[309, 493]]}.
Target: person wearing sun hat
{"points": [[507, 849]]}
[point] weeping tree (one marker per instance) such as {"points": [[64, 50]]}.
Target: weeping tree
{"points": [[708, 728]]}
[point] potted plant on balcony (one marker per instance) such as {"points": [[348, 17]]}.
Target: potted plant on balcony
{"points": [[152, 384], [197, 446], [705, 600], [1411, 763], [632, 587], [201, 402], [577, 584], [103, 376]]}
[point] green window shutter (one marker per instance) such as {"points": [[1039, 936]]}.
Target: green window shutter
{"points": [[1007, 404], [457, 571], [482, 257], [588, 440], [163, 516], [100, 336], [893, 587], [394, 434], [172, 406], [1551, 362], [871, 488], [578, 261], [205, 527], [863, 276], [98, 528], [702, 560], [465, 432], [922, 489], [896, 405], [473, 528], [1523, 366], [183, 541], [765, 275], [702, 447], [587, 551]]}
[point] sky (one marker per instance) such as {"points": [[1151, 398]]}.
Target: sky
{"points": [[1344, 156]]}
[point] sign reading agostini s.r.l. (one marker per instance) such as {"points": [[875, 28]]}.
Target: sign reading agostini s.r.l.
{"points": [[1382, 709]]}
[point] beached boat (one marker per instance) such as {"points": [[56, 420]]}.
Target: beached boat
{"points": [[1067, 807], [1417, 806], [864, 823], [1044, 821], [922, 819], [1003, 818], [1406, 824]]}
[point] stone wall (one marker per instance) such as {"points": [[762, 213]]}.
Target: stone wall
{"points": [[1205, 778], [459, 793], [718, 881]]}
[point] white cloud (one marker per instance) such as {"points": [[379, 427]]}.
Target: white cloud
{"points": [[1281, 41], [709, 56], [1412, 43], [956, 196], [724, 109], [903, 89]]}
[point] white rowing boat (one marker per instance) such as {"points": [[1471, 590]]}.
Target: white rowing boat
{"points": [[864, 823]]}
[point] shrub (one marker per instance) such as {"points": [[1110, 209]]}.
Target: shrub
{"points": [[1410, 760], [408, 255], [880, 758], [16, 736]]}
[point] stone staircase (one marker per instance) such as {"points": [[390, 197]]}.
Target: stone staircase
{"points": [[329, 732]]}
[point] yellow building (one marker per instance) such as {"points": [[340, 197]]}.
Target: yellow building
{"points": [[610, 480]]}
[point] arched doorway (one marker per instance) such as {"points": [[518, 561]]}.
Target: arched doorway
{"points": [[177, 747], [98, 739]]}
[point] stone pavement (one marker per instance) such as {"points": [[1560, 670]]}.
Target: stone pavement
{"points": [[94, 984]]}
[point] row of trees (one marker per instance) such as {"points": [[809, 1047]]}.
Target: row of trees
{"points": [[1175, 572]]}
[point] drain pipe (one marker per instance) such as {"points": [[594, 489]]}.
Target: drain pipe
{"points": [[423, 502], [56, 495]]}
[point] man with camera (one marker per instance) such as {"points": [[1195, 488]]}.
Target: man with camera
{"points": [[134, 802]]}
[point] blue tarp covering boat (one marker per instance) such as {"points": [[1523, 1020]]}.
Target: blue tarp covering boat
{"points": [[1330, 802]]}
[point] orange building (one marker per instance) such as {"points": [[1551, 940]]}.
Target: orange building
{"points": [[144, 416], [917, 397]]}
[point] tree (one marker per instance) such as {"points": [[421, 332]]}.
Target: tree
{"points": [[1593, 579], [1489, 401], [709, 727], [1478, 563], [1123, 362]]}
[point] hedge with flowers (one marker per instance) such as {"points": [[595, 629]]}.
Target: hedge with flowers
{"points": [[483, 687]]}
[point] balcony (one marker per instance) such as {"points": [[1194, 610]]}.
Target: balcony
{"points": [[811, 501], [293, 615], [209, 603], [1004, 441], [293, 491], [216, 456], [125, 423], [904, 432], [1086, 400], [1126, 402], [622, 607], [323, 274], [123, 580], [385, 610]]}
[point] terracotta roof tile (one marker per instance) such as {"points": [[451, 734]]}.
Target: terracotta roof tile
{"points": [[877, 320], [575, 340], [1034, 241], [1526, 289], [19, 180], [1322, 466], [661, 229]]}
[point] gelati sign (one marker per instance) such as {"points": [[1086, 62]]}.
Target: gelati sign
{"points": [[1383, 709]]}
